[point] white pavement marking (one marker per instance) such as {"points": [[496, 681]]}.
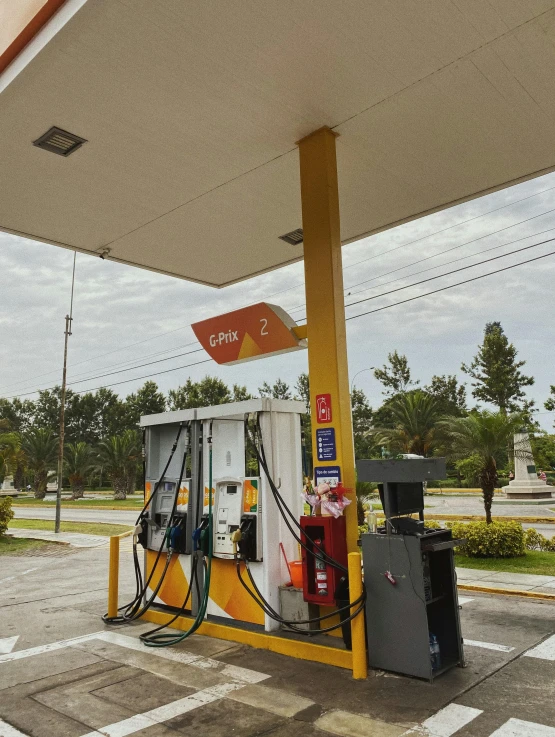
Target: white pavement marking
{"points": [[465, 599], [234, 672], [518, 728], [446, 722], [7, 644], [163, 713], [23, 573], [7, 731], [545, 650], [489, 646], [39, 649]]}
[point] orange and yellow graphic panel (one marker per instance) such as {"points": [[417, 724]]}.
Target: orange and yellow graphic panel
{"points": [[252, 332]]}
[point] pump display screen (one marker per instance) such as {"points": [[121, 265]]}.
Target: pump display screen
{"points": [[169, 486], [231, 490]]}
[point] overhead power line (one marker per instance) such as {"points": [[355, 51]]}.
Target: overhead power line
{"points": [[450, 286], [448, 273], [450, 227], [294, 286], [448, 250], [352, 317], [453, 261]]}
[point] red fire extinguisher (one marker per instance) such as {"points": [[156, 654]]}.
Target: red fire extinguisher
{"points": [[320, 570]]}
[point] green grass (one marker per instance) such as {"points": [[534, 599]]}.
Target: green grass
{"points": [[87, 528], [534, 562], [14, 545], [131, 503]]}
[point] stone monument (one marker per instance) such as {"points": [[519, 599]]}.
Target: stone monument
{"points": [[526, 484]]}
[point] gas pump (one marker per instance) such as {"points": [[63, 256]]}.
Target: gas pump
{"points": [[213, 532]]}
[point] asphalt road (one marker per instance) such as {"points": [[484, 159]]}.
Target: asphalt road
{"points": [[128, 517], [113, 516]]}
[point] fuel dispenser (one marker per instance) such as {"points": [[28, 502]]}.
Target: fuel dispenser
{"points": [[240, 502], [222, 499]]}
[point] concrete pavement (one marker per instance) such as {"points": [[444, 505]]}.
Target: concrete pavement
{"points": [[107, 683]]}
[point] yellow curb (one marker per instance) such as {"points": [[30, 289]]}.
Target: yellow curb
{"points": [[459, 490], [506, 592], [262, 640], [481, 517]]}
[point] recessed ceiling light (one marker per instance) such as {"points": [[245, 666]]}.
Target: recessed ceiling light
{"points": [[294, 237], [59, 142]]}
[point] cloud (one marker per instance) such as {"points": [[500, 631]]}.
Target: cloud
{"points": [[125, 314]]}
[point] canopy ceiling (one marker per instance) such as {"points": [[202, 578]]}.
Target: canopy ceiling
{"points": [[191, 111]]}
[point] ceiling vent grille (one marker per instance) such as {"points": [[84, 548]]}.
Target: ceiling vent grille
{"points": [[59, 142], [294, 237]]}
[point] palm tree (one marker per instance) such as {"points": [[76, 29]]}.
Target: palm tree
{"points": [[41, 450], [414, 417], [484, 434], [118, 456], [79, 460]]}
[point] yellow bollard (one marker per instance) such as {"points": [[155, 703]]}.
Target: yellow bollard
{"points": [[113, 579], [358, 635]]}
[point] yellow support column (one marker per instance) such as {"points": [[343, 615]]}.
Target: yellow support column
{"points": [[325, 310]]}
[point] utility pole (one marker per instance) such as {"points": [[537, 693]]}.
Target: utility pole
{"points": [[69, 319]]}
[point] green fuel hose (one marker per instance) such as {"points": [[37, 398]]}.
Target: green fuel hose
{"points": [[167, 639]]}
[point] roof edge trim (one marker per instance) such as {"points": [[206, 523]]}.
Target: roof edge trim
{"points": [[53, 15]]}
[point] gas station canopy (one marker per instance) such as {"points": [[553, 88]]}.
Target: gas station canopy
{"points": [[191, 110]]}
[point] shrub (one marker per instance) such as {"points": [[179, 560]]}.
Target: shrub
{"points": [[496, 540], [6, 514], [443, 484], [536, 541]]}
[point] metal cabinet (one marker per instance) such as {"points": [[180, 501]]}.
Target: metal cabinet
{"points": [[423, 600]]}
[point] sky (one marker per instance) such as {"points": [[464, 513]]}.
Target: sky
{"points": [[125, 316]]}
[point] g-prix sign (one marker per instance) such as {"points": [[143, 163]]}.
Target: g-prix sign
{"points": [[248, 333]]}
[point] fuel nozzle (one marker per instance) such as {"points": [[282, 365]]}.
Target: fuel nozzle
{"points": [[236, 537]]}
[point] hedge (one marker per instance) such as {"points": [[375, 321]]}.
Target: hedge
{"points": [[497, 540], [6, 513]]}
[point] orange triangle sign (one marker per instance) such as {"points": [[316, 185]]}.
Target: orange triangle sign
{"points": [[249, 348]]}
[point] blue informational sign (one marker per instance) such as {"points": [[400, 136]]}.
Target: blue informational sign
{"points": [[325, 443], [328, 474]]}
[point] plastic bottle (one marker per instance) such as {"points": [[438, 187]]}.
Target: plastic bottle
{"points": [[372, 522], [435, 653]]}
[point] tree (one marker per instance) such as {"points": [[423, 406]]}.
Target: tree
{"points": [[396, 376], [146, 401], [302, 389], [118, 456], [19, 414], [496, 371], [10, 447], [240, 393], [543, 448], [40, 446], [484, 434], [79, 460], [362, 424], [279, 390], [415, 417], [205, 393], [450, 395]]}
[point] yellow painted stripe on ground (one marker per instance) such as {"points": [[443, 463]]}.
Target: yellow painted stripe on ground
{"points": [[506, 592], [262, 640], [481, 518]]}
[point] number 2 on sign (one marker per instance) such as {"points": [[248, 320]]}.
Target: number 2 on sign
{"points": [[263, 330]]}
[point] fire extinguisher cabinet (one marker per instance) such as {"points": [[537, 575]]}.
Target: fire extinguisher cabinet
{"points": [[320, 579]]}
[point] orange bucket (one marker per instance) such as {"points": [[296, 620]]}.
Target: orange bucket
{"points": [[296, 573]]}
